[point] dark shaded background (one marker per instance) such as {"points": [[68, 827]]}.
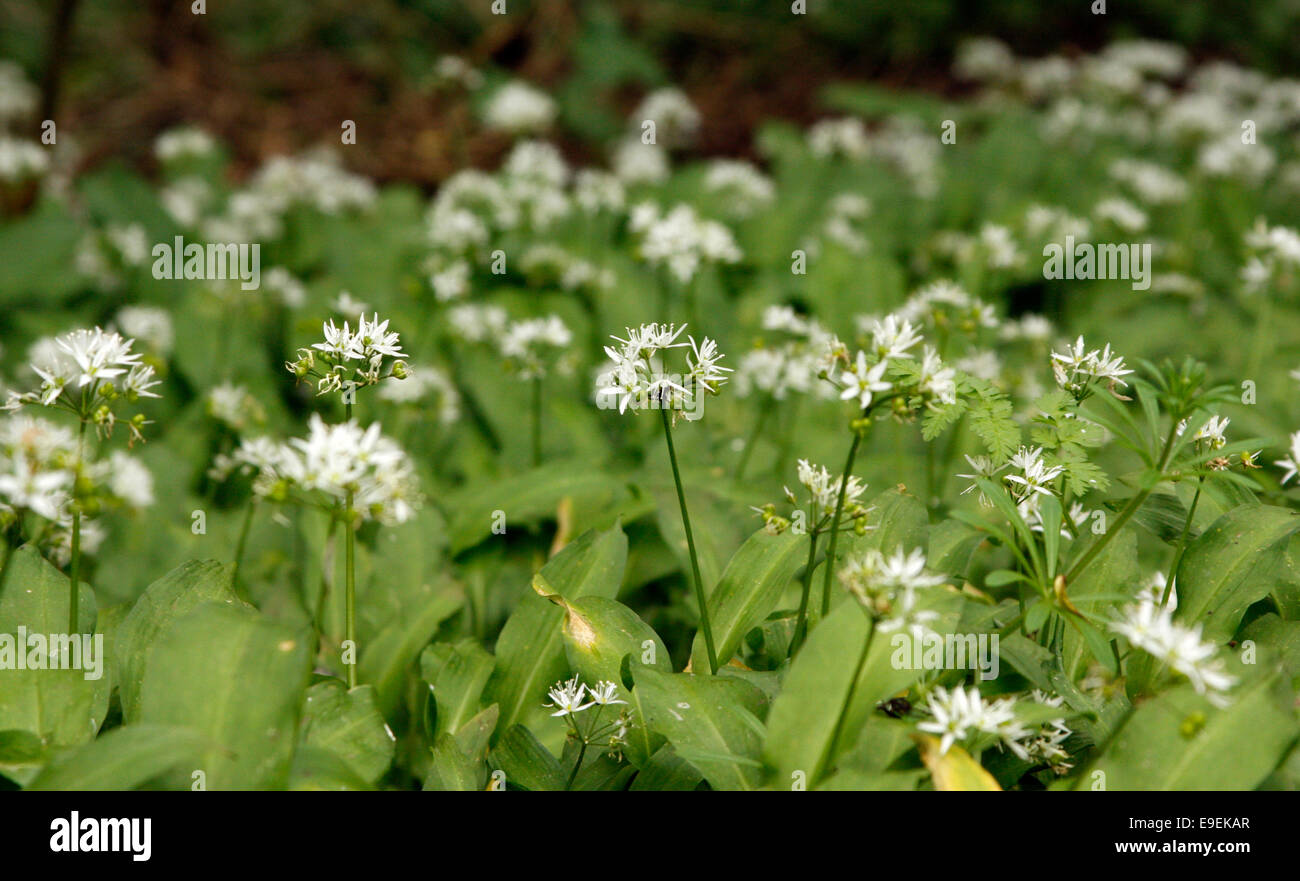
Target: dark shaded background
{"points": [[272, 77]]}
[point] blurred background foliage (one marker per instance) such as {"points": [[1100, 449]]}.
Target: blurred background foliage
{"points": [[271, 78]]}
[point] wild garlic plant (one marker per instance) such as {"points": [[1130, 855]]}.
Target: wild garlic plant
{"points": [[813, 518], [640, 378], [96, 376], [571, 698], [886, 373], [362, 474]]}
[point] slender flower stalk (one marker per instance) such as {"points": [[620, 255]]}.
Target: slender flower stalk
{"points": [[74, 569], [705, 624], [350, 585], [835, 522]]}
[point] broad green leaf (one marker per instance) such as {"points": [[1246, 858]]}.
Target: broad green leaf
{"points": [[1231, 565], [665, 771], [710, 722], [1179, 741], [237, 679], [530, 650], [599, 633], [121, 759], [392, 652], [349, 725], [320, 770], [458, 683], [163, 602], [458, 759], [803, 722], [526, 763], [750, 588], [529, 498], [61, 706]]}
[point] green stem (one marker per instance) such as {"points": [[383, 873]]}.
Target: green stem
{"points": [[350, 597], [349, 554], [537, 421], [1182, 545], [74, 573], [690, 544], [801, 623], [853, 688], [573, 775], [835, 524], [1129, 510]]}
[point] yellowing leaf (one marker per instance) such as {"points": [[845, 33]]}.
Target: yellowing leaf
{"points": [[955, 770]]}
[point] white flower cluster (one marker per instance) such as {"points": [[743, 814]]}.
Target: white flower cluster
{"points": [[743, 187], [887, 588], [571, 697], [89, 372], [424, 382], [315, 180], [519, 108], [822, 492], [963, 715], [681, 240], [1274, 257], [639, 378], [947, 304], [150, 325], [550, 265], [42, 473], [21, 159], [863, 379], [1078, 368], [793, 364], [1150, 627], [184, 143], [533, 345], [233, 406], [333, 461], [350, 359]]}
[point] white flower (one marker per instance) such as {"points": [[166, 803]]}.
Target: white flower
{"points": [[475, 323], [981, 466], [682, 241], [862, 381], [1035, 474], [1152, 628], [567, 697], [128, 479], [935, 380], [528, 342], [745, 188], [152, 325], [603, 693], [98, 354], [1076, 367], [25, 484], [824, 488], [1291, 465], [893, 337], [961, 714], [421, 382]]}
